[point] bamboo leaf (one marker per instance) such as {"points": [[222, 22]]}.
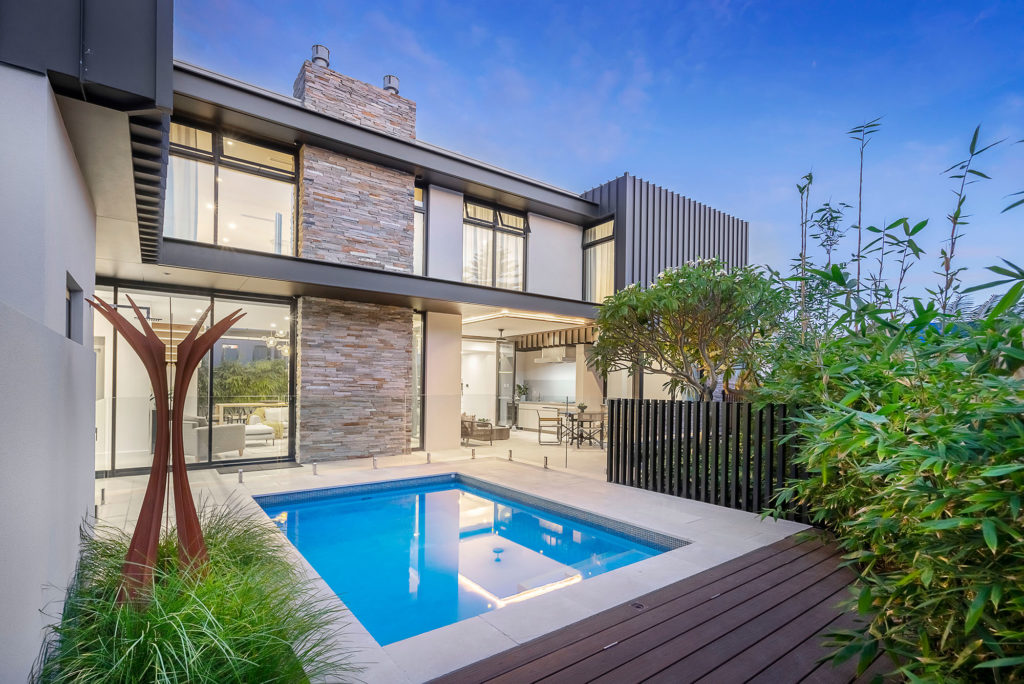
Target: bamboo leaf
{"points": [[999, 471], [977, 606], [988, 529]]}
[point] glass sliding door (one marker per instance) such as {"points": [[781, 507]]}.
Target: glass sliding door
{"points": [[103, 345], [506, 382], [417, 381], [251, 382], [185, 312], [238, 403]]}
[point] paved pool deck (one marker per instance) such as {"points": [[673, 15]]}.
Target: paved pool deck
{"points": [[716, 535]]}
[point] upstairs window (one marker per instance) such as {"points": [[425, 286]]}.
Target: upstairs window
{"points": [[419, 244], [227, 191], [599, 262], [493, 246]]}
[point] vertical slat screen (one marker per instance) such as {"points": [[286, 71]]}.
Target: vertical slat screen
{"points": [[725, 453]]}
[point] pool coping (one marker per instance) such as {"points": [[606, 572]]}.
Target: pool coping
{"points": [[635, 533]]}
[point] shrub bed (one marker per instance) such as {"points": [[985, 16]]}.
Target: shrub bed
{"points": [[914, 447], [251, 617]]}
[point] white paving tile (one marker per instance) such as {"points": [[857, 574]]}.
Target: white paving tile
{"points": [[432, 654]]}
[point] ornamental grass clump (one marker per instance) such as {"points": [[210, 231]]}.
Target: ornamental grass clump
{"points": [[249, 616]]}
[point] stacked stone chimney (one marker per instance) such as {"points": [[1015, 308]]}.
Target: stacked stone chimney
{"points": [[355, 359], [324, 90]]}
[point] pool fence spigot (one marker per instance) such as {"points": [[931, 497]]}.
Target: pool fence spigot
{"points": [[510, 454], [374, 462], [103, 495], [545, 463], [239, 476], [472, 454], [314, 468], [428, 457]]}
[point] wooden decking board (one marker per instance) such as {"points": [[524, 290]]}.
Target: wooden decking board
{"points": [[723, 659], [625, 633], [761, 655], [506, 661], [805, 656], [683, 638], [759, 617]]}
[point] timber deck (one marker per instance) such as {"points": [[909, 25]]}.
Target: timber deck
{"points": [[757, 618]]}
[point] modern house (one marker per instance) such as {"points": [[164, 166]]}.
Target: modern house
{"points": [[389, 285]]}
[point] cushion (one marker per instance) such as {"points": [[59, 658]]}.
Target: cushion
{"points": [[275, 414], [259, 431]]}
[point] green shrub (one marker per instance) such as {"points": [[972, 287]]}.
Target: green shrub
{"points": [[253, 616], [914, 442]]}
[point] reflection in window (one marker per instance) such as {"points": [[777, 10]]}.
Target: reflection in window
{"points": [[493, 247], [230, 192], [255, 213], [599, 262]]}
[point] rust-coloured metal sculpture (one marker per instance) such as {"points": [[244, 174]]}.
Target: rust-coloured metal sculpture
{"points": [[142, 552]]}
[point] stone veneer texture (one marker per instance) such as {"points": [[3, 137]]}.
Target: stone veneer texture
{"points": [[354, 378], [354, 212], [324, 90]]}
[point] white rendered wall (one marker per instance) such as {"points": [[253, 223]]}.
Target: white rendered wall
{"points": [[442, 372], [554, 259], [620, 385], [444, 234], [589, 387], [479, 378], [49, 382]]}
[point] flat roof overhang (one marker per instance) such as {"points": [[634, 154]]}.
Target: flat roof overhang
{"points": [[206, 267], [215, 99]]}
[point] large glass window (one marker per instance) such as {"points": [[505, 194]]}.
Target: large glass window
{"points": [[226, 191], [251, 384], [238, 403], [599, 262], [417, 380], [493, 247]]}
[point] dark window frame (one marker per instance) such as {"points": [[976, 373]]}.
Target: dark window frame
{"points": [[496, 226], [213, 295], [423, 210], [217, 158], [585, 245]]}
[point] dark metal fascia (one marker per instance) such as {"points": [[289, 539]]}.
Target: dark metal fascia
{"points": [[322, 279], [200, 95]]}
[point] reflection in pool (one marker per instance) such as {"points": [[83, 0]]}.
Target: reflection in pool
{"points": [[410, 560]]}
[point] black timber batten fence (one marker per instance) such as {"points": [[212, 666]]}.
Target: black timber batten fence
{"points": [[729, 454]]}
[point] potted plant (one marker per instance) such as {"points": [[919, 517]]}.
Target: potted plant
{"points": [[581, 406]]}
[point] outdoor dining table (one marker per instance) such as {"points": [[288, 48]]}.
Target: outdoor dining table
{"points": [[580, 425]]}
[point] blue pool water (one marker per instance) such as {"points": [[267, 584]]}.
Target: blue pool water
{"points": [[418, 557]]}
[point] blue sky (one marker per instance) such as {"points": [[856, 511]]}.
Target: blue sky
{"points": [[726, 102]]}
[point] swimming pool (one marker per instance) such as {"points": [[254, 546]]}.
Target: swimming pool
{"points": [[409, 556]]}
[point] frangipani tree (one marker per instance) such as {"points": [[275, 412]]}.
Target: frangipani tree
{"points": [[142, 551], [696, 324]]}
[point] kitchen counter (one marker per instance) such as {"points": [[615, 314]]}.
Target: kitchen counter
{"points": [[528, 411]]}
